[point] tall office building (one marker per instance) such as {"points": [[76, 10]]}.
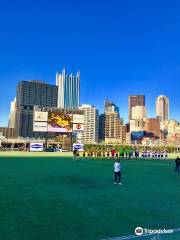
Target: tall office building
{"points": [[136, 125], [101, 127], [91, 123], [162, 108], [12, 114], [68, 90], [112, 122], [28, 95], [123, 132], [110, 107], [139, 112], [106, 129], [172, 124], [133, 101], [112, 125], [152, 127]]}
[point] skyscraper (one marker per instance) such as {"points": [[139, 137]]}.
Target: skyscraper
{"points": [[152, 127], [68, 90], [112, 122], [133, 101], [12, 114], [122, 136], [101, 127], [110, 107], [91, 123], [162, 108], [136, 125], [28, 95], [138, 112]]}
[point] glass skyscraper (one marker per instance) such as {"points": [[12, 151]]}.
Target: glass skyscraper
{"points": [[68, 90]]}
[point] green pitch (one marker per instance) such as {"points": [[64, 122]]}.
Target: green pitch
{"points": [[57, 198]]}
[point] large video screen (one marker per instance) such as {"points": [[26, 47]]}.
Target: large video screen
{"points": [[60, 122]]}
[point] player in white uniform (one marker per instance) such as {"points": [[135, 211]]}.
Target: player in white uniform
{"points": [[117, 173]]}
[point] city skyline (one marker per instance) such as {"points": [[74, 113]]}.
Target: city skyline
{"points": [[89, 119], [108, 127], [120, 48], [151, 113]]}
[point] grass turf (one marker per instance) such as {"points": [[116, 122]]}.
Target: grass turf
{"points": [[56, 198]]}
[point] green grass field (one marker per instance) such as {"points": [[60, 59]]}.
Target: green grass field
{"points": [[57, 198]]}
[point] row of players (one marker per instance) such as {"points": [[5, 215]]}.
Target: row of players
{"points": [[114, 153]]}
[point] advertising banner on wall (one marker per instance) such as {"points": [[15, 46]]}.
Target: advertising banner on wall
{"points": [[40, 127], [40, 116], [60, 122], [78, 127], [78, 146], [78, 118], [36, 147]]}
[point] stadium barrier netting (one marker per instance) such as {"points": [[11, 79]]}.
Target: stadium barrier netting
{"points": [[175, 235]]}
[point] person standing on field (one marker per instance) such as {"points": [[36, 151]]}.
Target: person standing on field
{"points": [[74, 154], [117, 173], [177, 161], [113, 153]]}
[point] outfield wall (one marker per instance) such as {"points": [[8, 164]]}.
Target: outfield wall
{"points": [[61, 154]]}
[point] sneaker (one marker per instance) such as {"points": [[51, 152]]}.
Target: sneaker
{"points": [[120, 183], [115, 183]]}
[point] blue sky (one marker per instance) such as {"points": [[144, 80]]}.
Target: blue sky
{"points": [[120, 47]]}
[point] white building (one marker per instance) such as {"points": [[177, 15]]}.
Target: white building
{"points": [[172, 124], [137, 125], [169, 127], [162, 108], [12, 114], [177, 130], [68, 90], [139, 112], [164, 127], [91, 124]]}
